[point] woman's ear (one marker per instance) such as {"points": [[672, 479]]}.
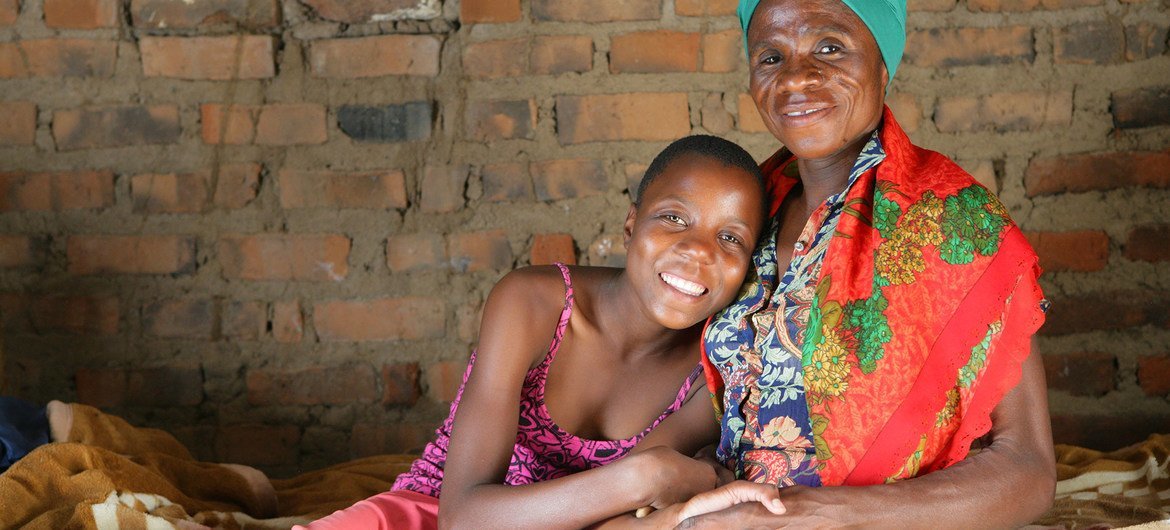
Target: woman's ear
{"points": [[628, 227]]}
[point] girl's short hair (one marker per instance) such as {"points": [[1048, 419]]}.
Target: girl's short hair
{"points": [[713, 147]]}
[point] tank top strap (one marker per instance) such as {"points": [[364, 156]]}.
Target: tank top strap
{"points": [[562, 323]]}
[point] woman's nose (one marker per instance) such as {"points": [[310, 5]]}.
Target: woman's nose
{"points": [[801, 72]]}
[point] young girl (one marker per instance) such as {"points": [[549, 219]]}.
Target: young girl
{"points": [[534, 424]]}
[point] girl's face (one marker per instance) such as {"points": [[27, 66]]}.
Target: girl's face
{"points": [[817, 76], [690, 240]]}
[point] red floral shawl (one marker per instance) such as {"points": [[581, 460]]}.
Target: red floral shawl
{"points": [[924, 309]]}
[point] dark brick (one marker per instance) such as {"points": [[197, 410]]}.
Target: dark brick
{"points": [[58, 58], [1148, 243], [442, 189], [595, 10], [400, 384], [1144, 41], [1082, 374], [506, 182], [313, 386], [182, 14], [1107, 432], [1142, 107], [950, 47], [180, 319], [1096, 42], [568, 179], [74, 315], [245, 320], [1083, 251], [477, 251], [1097, 171], [1108, 311], [121, 126], [171, 386], [258, 445], [410, 122], [360, 11], [1153, 374], [501, 120]]}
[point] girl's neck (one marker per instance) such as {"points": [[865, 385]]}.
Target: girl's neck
{"points": [[627, 329]]}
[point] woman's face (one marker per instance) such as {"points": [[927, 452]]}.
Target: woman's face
{"points": [[817, 76]]}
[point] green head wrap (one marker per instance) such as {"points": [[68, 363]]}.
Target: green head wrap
{"points": [[886, 20]]}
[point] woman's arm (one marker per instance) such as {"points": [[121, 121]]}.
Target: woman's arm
{"points": [[515, 334], [1006, 485]]}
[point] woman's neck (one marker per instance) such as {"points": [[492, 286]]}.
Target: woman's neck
{"points": [[823, 178]]}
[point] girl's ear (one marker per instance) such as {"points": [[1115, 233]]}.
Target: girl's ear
{"points": [[628, 227]]}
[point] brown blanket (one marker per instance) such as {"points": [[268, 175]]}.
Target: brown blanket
{"points": [[109, 474]]}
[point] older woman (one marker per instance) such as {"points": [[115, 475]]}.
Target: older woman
{"points": [[887, 326]]}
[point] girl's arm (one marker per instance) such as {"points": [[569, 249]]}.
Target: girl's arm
{"points": [[518, 322], [1006, 485]]}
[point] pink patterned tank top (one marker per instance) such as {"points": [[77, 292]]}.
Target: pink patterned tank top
{"points": [[543, 450]]}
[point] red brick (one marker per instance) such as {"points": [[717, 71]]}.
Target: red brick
{"points": [[1095, 42], [750, 120], [245, 320], [1107, 311], [907, 110], [299, 257], [288, 321], [236, 186], [20, 251], [185, 14], [19, 126], [1142, 107], [1153, 374], [119, 126], [654, 52], [1083, 251], [58, 58], [191, 318], [231, 124], [495, 59], [9, 10], [704, 8], [622, 117], [714, 115], [258, 445], [1008, 111], [500, 120], [1091, 374], [380, 190], [291, 124], [400, 384], [1098, 171], [1105, 432], [384, 55], [148, 254], [568, 179], [56, 192], [74, 315], [443, 379], [442, 188], [365, 11], [401, 438], [506, 182], [411, 252], [380, 319], [1148, 243], [943, 48], [487, 11], [608, 250], [1027, 5], [723, 51], [553, 248], [478, 251], [596, 10], [171, 386], [931, 5], [313, 386], [81, 14], [214, 58], [561, 54]]}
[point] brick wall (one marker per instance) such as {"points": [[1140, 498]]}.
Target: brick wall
{"points": [[269, 225]]}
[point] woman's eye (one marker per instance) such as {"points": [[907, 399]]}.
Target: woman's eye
{"points": [[828, 48], [770, 59]]}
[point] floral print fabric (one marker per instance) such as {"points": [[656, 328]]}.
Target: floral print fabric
{"points": [[900, 323], [543, 451]]}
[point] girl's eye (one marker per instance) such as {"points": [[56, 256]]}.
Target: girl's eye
{"points": [[673, 218], [730, 238]]}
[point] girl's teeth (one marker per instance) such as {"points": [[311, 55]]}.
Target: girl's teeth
{"points": [[685, 286]]}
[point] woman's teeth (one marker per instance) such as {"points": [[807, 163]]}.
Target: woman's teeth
{"points": [[685, 286], [800, 113]]}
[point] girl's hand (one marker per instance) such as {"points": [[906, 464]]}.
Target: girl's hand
{"points": [[672, 477], [734, 493]]}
